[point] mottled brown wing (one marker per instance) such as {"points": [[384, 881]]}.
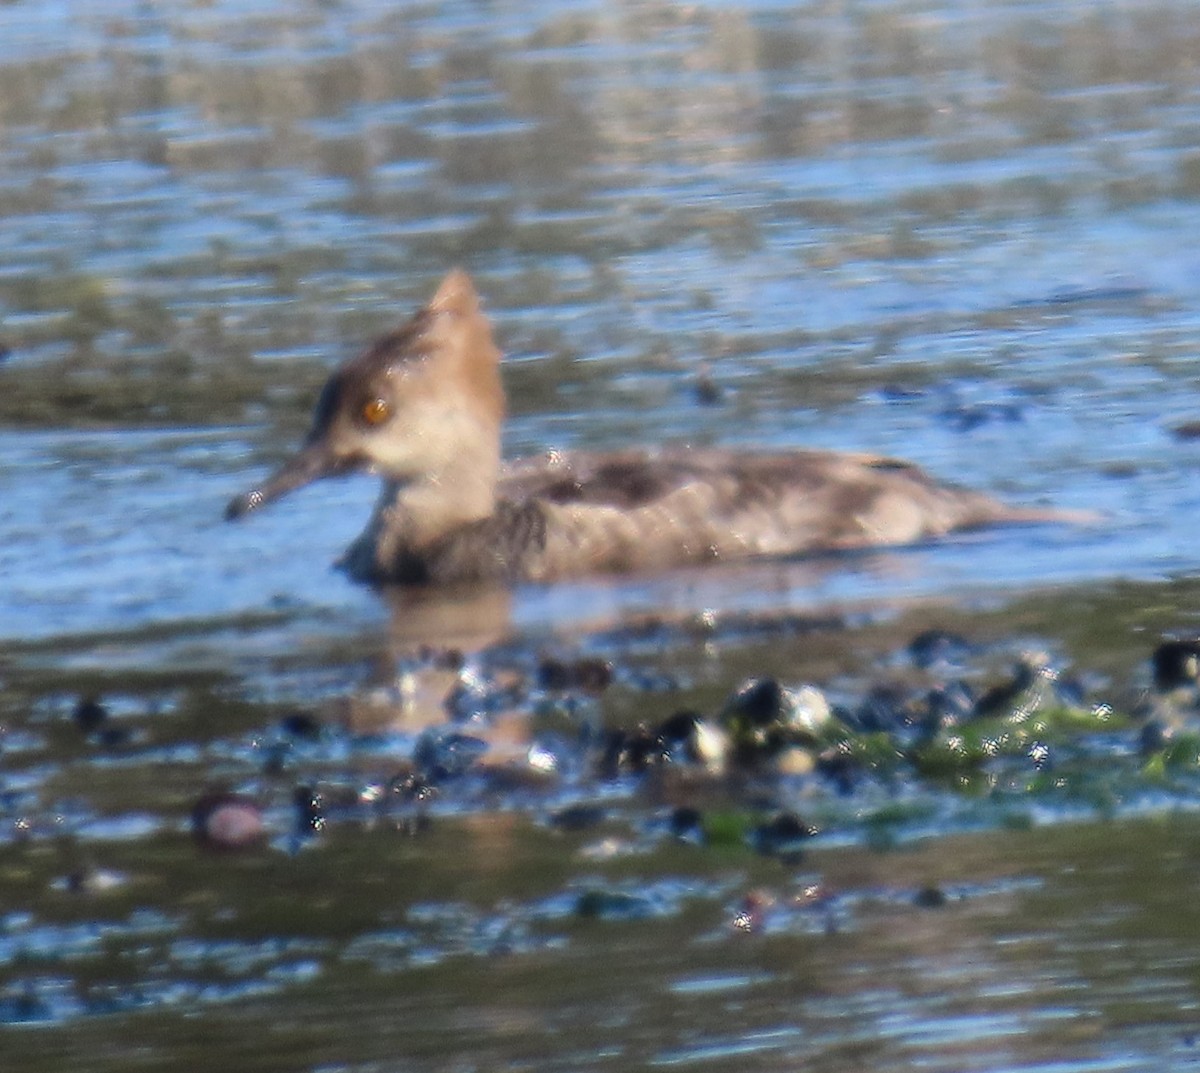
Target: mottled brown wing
{"points": [[634, 511], [623, 479]]}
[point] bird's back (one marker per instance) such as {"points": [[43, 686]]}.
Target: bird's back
{"points": [[569, 515]]}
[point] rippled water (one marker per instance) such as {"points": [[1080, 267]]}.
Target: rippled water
{"points": [[958, 233], [950, 235]]}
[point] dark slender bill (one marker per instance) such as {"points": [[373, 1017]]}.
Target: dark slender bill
{"points": [[243, 504], [311, 464]]}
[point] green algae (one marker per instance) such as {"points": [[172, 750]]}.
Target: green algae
{"points": [[179, 387], [959, 750]]}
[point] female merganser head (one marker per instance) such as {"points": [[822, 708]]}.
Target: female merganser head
{"points": [[423, 407]]}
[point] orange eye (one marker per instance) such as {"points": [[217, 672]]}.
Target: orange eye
{"points": [[376, 412]]}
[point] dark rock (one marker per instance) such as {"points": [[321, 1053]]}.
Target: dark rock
{"points": [[470, 697], [782, 836], [676, 735], [442, 659], [936, 647], [843, 770], [759, 701], [90, 714], [301, 725], [608, 766], [930, 898], [686, 824], [1153, 737], [642, 748], [1176, 664], [577, 817], [442, 754], [631, 752], [1017, 694], [950, 705], [885, 708], [614, 905], [111, 737], [756, 721], [590, 675], [707, 391]]}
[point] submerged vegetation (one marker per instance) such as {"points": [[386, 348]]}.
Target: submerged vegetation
{"points": [[624, 806], [237, 831]]}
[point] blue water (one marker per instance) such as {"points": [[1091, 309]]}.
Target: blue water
{"points": [[958, 233], [786, 198]]}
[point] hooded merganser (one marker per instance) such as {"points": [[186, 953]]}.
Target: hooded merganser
{"points": [[423, 407]]}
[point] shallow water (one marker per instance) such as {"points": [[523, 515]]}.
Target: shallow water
{"points": [[958, 233], [897, 228]]}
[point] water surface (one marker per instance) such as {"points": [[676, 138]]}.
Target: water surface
{"points": [[957, 233]]}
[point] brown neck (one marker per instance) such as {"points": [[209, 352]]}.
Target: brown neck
{"points": [[413, 516], [429, 509]]}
